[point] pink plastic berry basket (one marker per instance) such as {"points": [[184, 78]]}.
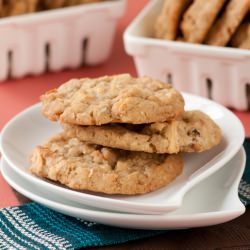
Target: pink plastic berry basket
{"points": [[219, 73], [58, 39]]}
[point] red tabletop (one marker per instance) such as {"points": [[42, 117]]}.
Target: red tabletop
{"points": [[16, 95]]}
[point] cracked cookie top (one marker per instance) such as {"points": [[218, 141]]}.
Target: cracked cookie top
{"points": [[113, 99]]}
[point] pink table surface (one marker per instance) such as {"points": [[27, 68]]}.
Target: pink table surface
{"points": [[16, 95]]}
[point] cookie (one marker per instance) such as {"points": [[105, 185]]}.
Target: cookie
{"points": [[198, 19], [226, 25], [18, 7], [1, 8], [31, 6], [241, 38], [194, 132], [113, 99], [77, 2], [48, 4], [166, 25], [83, 166]]}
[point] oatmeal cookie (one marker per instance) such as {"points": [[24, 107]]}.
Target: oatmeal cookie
{"points": [[18, 7], [241, 38], [226, 25], [1, 8], [95, 168], [167, 23], [77, 2], [48, 4], [113, 99], [198, 19], [194, 132]]}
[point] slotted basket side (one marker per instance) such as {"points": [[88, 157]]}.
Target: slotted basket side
{"points": [[223, 80], [58, 39], [221, 74]]}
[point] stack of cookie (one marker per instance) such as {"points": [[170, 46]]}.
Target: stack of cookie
{"points": [[215, 22], [122, 135]]}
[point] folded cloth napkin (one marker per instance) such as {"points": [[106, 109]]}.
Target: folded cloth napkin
{"points": [[244, 188], [33, 226]]}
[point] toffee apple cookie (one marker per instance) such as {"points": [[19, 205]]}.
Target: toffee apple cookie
{"points": [[199, 18], [166, 25], [194, 132], [113, 99], [226, 25], [95, 168]]}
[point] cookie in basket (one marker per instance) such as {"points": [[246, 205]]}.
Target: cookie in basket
{"points": [[241, 38], [113, 99], [77, 2], [1, 8], [198, 19], [194, 132], [48, 4], [18, 7], [226, 25], [95, 168], [167, 23]]}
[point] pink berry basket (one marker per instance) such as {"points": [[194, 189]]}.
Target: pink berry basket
{"points": [[58, 39], [219, 73]]}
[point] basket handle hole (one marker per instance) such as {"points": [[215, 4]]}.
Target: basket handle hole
{"points": [[169, 78], [85, 44], [209, 85], [248, 95], [10, 58], [47, 51]]}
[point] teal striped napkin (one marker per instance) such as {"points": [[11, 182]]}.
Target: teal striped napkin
{"points": [[33, 226], [244, 188]]}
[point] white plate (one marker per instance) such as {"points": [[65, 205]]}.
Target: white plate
{"points": [[213, 201], [30, 128]]}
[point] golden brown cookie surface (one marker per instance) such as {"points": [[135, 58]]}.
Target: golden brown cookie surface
{"points": [[199, 18], [18, 7], [194, 132], [95, 168], [226, 25], [166, 25], [113, 99]]}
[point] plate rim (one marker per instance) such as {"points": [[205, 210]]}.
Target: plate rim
{"points": [[196, 219], [128, 205]]}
